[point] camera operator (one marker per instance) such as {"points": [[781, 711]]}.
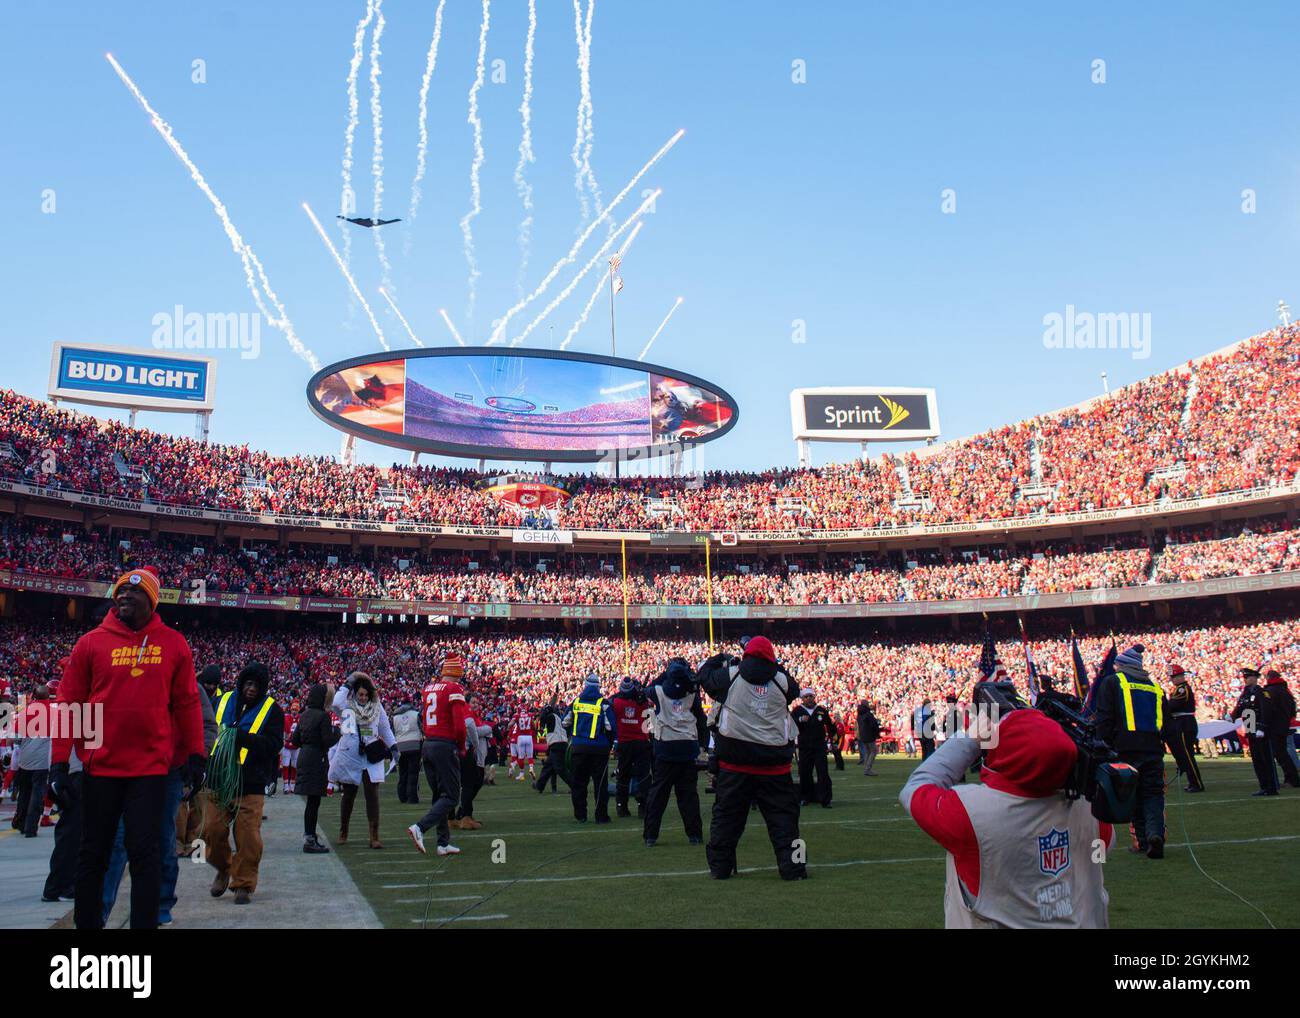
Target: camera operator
{"points": [[755, 744], [680, 731], [1020, 853], [1130, 712]]}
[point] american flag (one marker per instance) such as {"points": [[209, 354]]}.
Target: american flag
{"points": [[988, 656]]}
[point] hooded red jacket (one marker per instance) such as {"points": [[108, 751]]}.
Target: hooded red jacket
{"points": [[145, 682]]}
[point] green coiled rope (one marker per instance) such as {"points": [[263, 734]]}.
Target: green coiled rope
{"points": [[225, 778]]}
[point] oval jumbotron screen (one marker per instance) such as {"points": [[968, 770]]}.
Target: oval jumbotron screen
{"points": [[518, 404]]}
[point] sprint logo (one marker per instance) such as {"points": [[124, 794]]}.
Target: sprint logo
{"points": [[897, 413]]}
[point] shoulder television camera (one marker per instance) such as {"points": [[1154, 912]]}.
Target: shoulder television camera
{"points": [[1109, 784]]}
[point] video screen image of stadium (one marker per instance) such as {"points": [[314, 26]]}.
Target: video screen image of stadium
{"points": [[540, 403]]}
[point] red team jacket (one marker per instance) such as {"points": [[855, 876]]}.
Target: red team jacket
{"points": [[145, 682], [444, 713], [629, 715]]}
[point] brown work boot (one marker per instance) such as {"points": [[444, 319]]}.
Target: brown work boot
{"points": [[469, 824], [219, 884], [454, 824], [374, 835]]}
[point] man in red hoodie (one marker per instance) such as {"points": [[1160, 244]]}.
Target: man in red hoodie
{"points": [[1020, 854], [133, 679]]}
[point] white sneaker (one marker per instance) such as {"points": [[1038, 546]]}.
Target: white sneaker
{"points": [[520, 778], [417, 836], [447, 850]]}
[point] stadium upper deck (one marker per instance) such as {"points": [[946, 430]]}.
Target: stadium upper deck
{"points": [[1219, 431]]}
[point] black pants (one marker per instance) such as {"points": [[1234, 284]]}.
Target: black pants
{"points": [[633, 762], [1149, 807], [138, 802], [1180, 742], [1261, 758], [813, 762], [777, 801], [839, 757], [552, 768], [1277, 745], [442, 771], [31, 800], [62, 880], [310, 815], [927, 748], [670, 777], [471, 780], [408, 776], [593, 767]]}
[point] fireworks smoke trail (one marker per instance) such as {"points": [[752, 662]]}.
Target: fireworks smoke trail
{"points": [[401, 318], [422, 149], [596, 292], [609, 241], [347, 208], [498, 326], [280, 320], [676, 304], [474, 121], [589, 130], [454, 334], [352, 283], [525, 189], [377, 153], [584, 101]]}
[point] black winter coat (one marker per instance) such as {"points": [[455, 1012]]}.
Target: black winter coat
{"points": [[316, 734]]}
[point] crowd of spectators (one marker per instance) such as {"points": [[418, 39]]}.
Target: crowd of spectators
{"points": [[50, 549], [508, 671], [1229, 423]]}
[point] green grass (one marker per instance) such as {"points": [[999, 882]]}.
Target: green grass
{"points": [[869, 865]]}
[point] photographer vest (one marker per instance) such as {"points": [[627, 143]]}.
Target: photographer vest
{"points": [[756, 714], [673, 721], [1036, 864]]}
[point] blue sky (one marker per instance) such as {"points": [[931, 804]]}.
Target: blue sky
{"points": [[818, 202]]}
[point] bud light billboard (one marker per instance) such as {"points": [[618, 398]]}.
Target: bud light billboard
{"points": [[545, 405]]}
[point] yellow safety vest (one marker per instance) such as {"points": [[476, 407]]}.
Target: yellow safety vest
{"points": [[591, 710], [1126, 688], [253, 729]]}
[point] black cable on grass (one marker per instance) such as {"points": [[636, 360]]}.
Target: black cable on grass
{"points": [[1182, 816]]}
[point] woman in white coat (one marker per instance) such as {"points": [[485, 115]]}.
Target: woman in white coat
{"points": [[361, 756]]}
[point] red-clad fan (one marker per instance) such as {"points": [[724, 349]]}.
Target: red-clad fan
{"points": [[442, 718], [289, 754]]}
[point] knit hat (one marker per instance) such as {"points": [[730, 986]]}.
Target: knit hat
{"points": [[146, 578], [627, 685], [1033, 756], [761, 646], [453, 666], [591, 683], [1131, 658]]}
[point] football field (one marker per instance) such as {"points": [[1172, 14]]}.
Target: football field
{"points": [[532, 865]]}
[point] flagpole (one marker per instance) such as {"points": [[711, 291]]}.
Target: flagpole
{"points": [[613, 346]]}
